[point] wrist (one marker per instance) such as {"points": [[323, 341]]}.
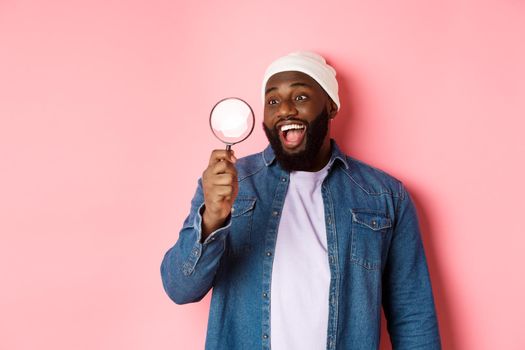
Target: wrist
{"points": [[210, 223]]}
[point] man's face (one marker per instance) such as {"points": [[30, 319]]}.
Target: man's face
{"points": [[296, 118]]}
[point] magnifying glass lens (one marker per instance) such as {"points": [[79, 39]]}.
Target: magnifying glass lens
{"points": [[232, 121]]}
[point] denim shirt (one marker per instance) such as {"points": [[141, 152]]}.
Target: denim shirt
{"points": [[375, 254]]}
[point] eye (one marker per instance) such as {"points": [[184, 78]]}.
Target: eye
{"points": [[301, 98], [272, 101]]}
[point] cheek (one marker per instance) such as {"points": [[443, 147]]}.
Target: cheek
{"points": [[312, 109], [268, 126], [268, 120]]}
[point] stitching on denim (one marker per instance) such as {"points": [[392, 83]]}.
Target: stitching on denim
{"points": [[362, 261], [265, 162], [244, 212], [400, 199], [251, 204], [368, 213], [368, 192], [386, 191], [186, 269], [250, 174], [366, 264], [236, 251], [336, 262]]}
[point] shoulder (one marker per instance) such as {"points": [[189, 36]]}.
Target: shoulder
{"points": [[372, 180]]}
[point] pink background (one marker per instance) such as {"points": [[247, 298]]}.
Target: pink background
{"points": [[103, 134]]}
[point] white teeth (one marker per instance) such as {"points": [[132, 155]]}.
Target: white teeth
{"points": [[291, 127]]}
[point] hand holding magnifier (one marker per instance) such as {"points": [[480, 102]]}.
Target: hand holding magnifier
{"points": [[232, 121]]}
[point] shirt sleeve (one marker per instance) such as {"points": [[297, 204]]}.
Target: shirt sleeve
{"points": [[188, 268], [407, 293]]}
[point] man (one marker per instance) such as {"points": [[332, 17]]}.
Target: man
{"points": [[301, 243]]}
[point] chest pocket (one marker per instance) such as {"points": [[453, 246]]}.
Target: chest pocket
{"points": [[239, 238], [369, 228]]}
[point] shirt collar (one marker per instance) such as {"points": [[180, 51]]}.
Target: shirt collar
{"points": [[269, 156]]}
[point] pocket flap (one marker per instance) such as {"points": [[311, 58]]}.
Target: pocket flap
{"points": [[242, 206], [371, 219]]}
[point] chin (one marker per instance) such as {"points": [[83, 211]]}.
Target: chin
{"points": [[296, 150]]}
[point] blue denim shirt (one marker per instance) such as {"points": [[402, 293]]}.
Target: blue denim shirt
{"points": [[375, 255]]}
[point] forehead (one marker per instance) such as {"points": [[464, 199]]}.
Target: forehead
{"points": [[289, 78]]}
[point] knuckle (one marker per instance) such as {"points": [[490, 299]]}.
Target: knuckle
{"points": [[218, 153]]}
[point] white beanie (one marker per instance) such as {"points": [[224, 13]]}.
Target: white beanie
{"points": [[308, 63]]}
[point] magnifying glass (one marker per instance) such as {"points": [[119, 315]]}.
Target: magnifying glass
{"points": [[232, 121]]}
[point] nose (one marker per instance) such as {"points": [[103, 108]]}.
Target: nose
{"points": [[286, 110]]}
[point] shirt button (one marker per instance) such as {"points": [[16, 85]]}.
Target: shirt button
{"points": [[283, 179], [268, 253], [329, 219], [265, 295], [265, 336], [332, 259], [275, 213]]}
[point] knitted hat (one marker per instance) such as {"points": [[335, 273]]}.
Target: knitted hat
{"points": [[308, 63]]}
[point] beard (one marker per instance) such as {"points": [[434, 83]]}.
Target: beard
{"points": [[304, 160]]}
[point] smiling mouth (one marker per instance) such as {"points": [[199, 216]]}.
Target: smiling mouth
{"points": [[292, 135]]}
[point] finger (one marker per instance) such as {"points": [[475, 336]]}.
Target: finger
{"points": [[222, 194], [223, 167], [223, 191], [224, 179], [221, 155]]}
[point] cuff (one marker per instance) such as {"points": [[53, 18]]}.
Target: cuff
{"points": [[218, 234]]}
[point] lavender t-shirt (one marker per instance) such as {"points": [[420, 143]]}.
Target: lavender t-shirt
{"points": [[301, 275]]}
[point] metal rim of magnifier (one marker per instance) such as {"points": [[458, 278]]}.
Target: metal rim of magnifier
{"points": [[230, 144]]}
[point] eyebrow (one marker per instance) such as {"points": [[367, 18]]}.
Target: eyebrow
{"points": [[291, 85]]}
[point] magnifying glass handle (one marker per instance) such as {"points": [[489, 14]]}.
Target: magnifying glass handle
{"points": [[228, 147]]}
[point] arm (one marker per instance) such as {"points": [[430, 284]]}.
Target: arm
{"points": [[189, 267], [407, 293]]}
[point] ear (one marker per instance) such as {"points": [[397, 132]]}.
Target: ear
{"points": [[332, 109]]}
